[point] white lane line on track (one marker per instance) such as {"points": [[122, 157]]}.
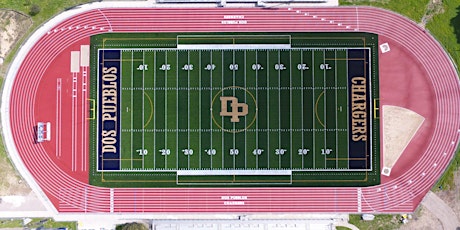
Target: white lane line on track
{"points": [[74, 121], [58, 115], [83, 118]]}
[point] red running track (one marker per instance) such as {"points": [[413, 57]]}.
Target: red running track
{"points": [[416, 74]]}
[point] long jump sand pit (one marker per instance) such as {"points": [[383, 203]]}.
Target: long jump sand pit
{"points": [[399, 127]]}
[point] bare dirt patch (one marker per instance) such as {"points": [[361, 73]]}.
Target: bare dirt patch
{"points": [[13, 26]]}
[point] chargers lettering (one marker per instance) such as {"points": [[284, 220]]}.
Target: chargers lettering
{"points": [[358, 108]]}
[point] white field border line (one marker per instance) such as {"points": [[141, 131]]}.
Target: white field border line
{"points": [[58, 115], [121, 111], [96, 117], [268, 172], [232, 46], [231, 36], [371, 103], [248, 49]]}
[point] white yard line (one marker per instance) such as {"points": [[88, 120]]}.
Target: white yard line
{"points": [[143, 109], [313, 103], [222, 118], [132, 111], [199, 110], [257, 114], [336, 149], [154, 152], [324, 110]]}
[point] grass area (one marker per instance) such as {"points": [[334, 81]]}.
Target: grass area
{"points": [[381, 222], [341, 228], [445, 28], [447, 179], [37, 223], [414, 9]]}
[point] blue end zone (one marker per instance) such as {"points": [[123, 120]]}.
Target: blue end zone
{"points": [[359, 131], [108, 110]]}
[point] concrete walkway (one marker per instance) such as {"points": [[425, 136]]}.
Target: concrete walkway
{"points": [[346, 224], [441, 210]]}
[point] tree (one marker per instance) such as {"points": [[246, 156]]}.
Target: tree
{"points": [[34, 10], [132, 226]]}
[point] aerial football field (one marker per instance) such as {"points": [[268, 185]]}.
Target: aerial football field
{"points": [[234, 109]]}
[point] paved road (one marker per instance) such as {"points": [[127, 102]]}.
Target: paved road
{"points": [[441, 210]]}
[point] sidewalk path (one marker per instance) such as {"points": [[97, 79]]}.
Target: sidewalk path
{"points": [[441, 210]]}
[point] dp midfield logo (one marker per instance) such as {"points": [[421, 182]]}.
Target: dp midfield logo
{"points": [[237, 109]]}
